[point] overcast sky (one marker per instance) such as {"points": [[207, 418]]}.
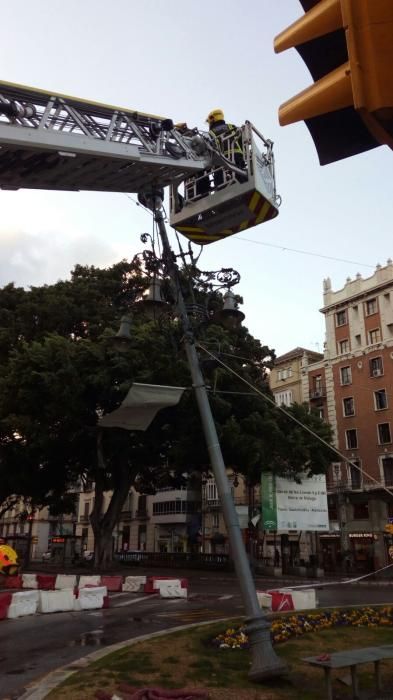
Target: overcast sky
{"points": [[182, 59]]}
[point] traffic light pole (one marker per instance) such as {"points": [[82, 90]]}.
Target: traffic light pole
{"points": [[265, 663]]}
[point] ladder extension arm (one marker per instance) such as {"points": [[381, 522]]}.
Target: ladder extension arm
{"points": [[52, 141]]}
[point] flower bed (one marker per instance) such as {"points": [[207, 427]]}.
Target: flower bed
{"points": [[289, 626]]}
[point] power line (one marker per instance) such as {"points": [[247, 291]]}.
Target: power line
{"points": [[285, 248], [295, 420], [282, 247]]}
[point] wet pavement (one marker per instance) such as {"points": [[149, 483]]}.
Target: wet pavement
{"points": [[33, 646]]}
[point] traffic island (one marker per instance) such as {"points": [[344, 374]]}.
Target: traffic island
{"points": [[215, 658]]}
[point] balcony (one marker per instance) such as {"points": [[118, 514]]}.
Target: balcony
{"points": [[126, 515], [171, 518], [84, 519], [319, 393], [211, 504], [142, 515]]}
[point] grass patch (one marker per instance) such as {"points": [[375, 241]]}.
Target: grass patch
{"points": [[194, 662]]}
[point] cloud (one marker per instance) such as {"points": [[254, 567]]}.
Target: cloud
{"points": [[44, 257]]}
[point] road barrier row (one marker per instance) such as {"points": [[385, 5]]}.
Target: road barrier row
{"points": [[286, 599], [49, 593], [22, 603]]}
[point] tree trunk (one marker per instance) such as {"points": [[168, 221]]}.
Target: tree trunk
{"points": [[102, 523]]}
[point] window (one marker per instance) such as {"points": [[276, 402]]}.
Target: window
{"points": [[376, 367], [356, 474], [380, 399], [345, 375], [349, 406], [374, 336], [360, 511], [142, 503], [371, 307], [351, 438], [317, 382], [174, 507], [283, 374], [343, 346], [358, 339], [216, 520], [341, 318], [211, 493], [387, 468], [384, 433], [320, 412], [284, 397], [332, 509]]}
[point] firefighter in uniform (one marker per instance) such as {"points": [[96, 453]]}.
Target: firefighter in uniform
{"points": [[221, 132]]}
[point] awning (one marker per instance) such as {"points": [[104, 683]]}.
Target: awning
{"points": [[141, 405]]}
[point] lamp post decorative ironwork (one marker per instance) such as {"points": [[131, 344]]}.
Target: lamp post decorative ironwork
{"points": [[265, 663]]}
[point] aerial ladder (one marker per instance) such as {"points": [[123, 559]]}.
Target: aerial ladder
{"points": [[55, 142]]}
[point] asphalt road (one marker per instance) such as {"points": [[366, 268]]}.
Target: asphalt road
{"points": [[30, 647]]}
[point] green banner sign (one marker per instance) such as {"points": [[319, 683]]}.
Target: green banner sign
{"points": [[268, 500]]}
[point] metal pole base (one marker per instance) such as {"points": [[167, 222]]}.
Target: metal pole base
{"points": [[265, 663]]}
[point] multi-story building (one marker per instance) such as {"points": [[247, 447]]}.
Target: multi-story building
{"points": [[358, 375], [168, 521], [33, 534], [286, 377]]}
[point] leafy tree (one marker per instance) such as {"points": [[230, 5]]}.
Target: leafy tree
{"points": [[59, 373]]}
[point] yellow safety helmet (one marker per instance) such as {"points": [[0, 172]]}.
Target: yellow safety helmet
{"points": [[215, 115]]}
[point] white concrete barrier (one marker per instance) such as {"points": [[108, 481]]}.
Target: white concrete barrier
{"points": [[171, 588], [29, 581], [89, 581], [264, 600], [65, 581], [303, 599], [23, 603], [133, 584], [90, 598], [56, 601]]}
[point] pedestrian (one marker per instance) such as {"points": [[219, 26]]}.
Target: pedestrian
{"points": [[228, 140]]}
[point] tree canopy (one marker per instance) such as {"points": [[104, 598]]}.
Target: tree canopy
{"points": [[59, 372]]}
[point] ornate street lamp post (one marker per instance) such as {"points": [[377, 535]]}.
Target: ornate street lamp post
{"points": [[265, 663]]}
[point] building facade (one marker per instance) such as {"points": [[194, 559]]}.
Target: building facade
{"points": [[358, 379], [286, 377], [168, 521]]}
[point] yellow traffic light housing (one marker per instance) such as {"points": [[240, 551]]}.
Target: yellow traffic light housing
{"points": [[348, 47]]}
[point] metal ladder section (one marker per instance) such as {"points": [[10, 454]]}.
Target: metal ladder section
{"points": [[51, 141]]}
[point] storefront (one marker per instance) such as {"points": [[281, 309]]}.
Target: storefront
{"points": [[330, 552], [361, 552]]}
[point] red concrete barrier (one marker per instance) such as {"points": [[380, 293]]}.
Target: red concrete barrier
{"points": [[281, 601], [13, 581], [113, 583], [5, 602], [46, 582]]}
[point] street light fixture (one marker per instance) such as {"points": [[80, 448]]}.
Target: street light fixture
{"points": [[265, 663], [121, 341]]}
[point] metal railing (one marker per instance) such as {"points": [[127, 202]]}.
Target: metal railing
{"points": [[176, 560], [318, 393]]}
